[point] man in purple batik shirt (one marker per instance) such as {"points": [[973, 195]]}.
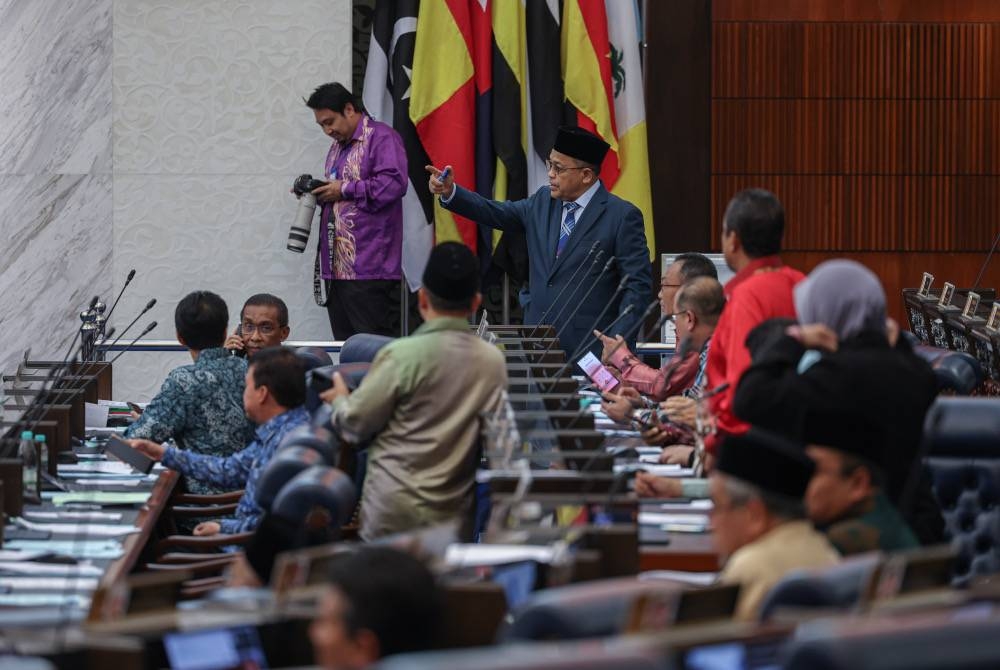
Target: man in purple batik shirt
{"points": [[361, 225]]}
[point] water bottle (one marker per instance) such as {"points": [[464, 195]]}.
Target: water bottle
{"points": [[43, 452], [29, 465]]}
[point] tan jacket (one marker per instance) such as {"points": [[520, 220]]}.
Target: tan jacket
{"points": [[420, 402], [761, 564]]}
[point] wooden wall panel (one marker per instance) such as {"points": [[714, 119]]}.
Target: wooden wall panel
{"points": [[856, 60], [876, 123]]}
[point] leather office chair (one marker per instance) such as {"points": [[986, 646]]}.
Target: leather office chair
{"points": [[608, 607], [930, 645], [962, 447], [843, 587], [955, 370]]}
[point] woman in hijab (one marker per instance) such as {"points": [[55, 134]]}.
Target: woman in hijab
{"points": [[845, 352]]}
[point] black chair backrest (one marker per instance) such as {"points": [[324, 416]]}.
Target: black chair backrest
{"points": [[962, 442]]}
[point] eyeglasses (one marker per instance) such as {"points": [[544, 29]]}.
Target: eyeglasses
{"points": [[559, 169], [265, 329], [665, 285]]}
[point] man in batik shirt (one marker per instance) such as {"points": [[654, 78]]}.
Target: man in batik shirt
{"points": [[361, 226], [200, 406]]}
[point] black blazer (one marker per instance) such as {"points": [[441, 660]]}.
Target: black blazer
{"points": [[895, 385]]}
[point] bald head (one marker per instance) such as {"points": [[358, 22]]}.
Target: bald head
{"points": [[704, 297]]}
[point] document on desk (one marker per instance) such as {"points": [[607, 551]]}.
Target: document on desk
{"points": [[654, 469], [109, 482], [97, 467], [74, 600], [36, 569], [68, 584], [39, 515], [95, 415], [468, 555], [93, 549], [680, 523], [692, 578], [698, 504], [85, 529], [100, 498]]}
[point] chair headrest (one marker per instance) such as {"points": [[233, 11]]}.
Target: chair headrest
{"points": [[285, 464], [965, 427], [955, 370], [313, 357], [322, 441], [361, 348], [317, 487]]}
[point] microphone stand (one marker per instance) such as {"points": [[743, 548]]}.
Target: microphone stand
{"points": [[996, 241], [572, 277], [150, 327], [149, 306], [128, 280], [597, 259], [583, 300]]}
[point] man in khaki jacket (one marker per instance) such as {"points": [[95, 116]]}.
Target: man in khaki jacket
{"points": [[759, 521], [420, 404]]}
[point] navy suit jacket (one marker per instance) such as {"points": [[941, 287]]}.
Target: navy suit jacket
{"points": [[614, 224]]}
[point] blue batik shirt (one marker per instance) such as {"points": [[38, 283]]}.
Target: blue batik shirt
{"points": [[200, 407], [241, 470]]}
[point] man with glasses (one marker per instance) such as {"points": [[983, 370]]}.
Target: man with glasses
{"points": [[200, 406], [759, 522], [263, 324], [562, 223], [679, 374]]}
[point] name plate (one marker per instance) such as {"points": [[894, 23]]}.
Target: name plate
{"points": [[946, 295], [925, 285], [993, 323], [971, 305]]}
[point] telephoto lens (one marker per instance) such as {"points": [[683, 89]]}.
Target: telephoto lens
{"points": [[298, 234]]}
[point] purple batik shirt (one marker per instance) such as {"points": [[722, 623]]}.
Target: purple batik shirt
{"points": [[364, 230]]}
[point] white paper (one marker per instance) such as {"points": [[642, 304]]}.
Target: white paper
{"points": [[699, 504], [106, 482], [692, 578], [79, 516], [7, 555], [77, 600], [663, 518], [655, 469], [106, 467], [96, 549], [465, 555], [49, 583], [95, 415], [35, 569], [88, 529]]}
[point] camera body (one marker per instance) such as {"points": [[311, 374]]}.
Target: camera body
{"points": [[298, 234]]}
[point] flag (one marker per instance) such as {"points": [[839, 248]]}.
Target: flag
{"points": [[387, 98], [443, 102], [630, 112], [545, 86], [482, 61], [586, 69]]}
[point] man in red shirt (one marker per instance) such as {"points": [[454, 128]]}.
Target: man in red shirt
{"points": [[752, 228]]}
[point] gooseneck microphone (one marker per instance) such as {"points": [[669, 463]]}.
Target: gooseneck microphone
{"points": [[571, 359], [580, 303], [996, 241], [572, 277], [131, 344], [128, 280], [621, 287], [600, 317], [149, 306], [645, 333]]}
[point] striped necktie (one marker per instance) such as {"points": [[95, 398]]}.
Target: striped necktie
{"points": [[567, 226]]}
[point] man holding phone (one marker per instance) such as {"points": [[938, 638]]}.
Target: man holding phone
{"points": [[263, 324]]}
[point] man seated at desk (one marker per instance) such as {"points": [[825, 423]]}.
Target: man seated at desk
{"points": [[275, 391], [263, 324], [200, 406], [696, 308], [420, 405], [759, 522], [845, 498]]}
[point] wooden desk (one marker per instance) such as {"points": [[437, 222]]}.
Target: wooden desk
{"points": [[690, 552], [135, 544]]}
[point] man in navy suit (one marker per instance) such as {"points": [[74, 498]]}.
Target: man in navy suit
{"points": [[567, 225]]}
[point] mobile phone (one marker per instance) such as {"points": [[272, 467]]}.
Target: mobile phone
{"points": [[132, 406], [241, 353], [123, 451], [598, 373]]}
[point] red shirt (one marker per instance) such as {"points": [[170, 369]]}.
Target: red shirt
{"points": [[760, 291]]}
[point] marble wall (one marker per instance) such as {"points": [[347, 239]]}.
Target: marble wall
{"points": [[160, 135]]}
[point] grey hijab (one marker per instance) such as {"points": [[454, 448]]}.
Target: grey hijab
{"points": [[843, 295]]}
